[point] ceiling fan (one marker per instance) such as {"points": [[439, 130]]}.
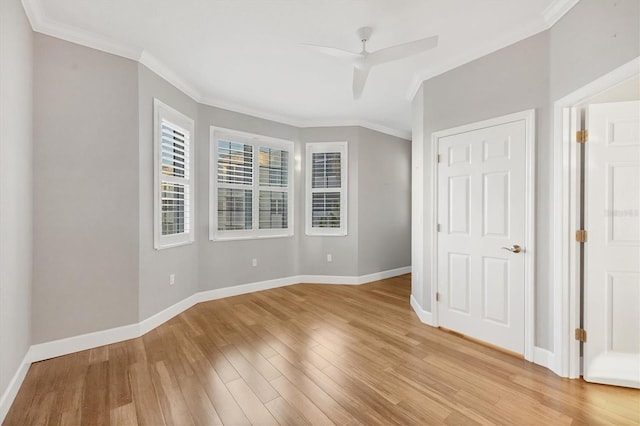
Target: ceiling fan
{"points": [[363, 61]]}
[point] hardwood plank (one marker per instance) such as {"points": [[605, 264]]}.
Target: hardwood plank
{"points": [[226, 407], [431, 413], [95, 397], [99, 354], [296, 398], [308, 354], [71, 418], [258, 384], [148, 410], [253, 408], [170, 397], [43, 415], [284, 413], [257, 360], [332, 408], [124, 415], [199, 404], [217, 359], [28, 392], [119, 387]]}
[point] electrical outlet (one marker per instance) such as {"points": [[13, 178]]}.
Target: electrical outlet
{"points": [[329, 258], [172, 279], [254, 262]]}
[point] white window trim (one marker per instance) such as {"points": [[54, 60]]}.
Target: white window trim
{"points": [[256, 141], [162, 111], [321, 147]]}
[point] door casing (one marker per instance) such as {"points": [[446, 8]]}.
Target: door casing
{"points": [[529, 242], [564, 360]]}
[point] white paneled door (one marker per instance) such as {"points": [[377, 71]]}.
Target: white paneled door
{"points": [[481, 238], [612, 250]]}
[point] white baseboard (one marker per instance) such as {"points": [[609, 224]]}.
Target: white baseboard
{"points": [[54, 348], [69, 345], [545, 358], [353, 280], [327, 279], [83, 342], [165, 315], [376, 276], [220, 293], [424, 316], [14, 386]]}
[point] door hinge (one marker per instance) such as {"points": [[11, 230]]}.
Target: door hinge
{"points": [[581, 236], [581, 335], [438, 158], [438, 228], [437, 297], [582, 136]]}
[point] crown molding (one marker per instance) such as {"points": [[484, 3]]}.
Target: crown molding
{"points": [[34, 12], [42, 24], [386, 130], [557, 10], [166, 72], [492, 46], [302, 123], [548, 18]]}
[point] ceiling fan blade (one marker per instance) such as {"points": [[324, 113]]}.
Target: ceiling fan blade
{"points": [[332, 51], [401, 51], [359, 79]]}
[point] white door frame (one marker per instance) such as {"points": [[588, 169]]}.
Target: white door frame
{"points": [[529, 241], [566, 296]]}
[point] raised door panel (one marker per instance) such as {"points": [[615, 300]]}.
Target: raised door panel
{"points": [[495, 290], [459, 205], [612, 252], [495, 204], [459, 286]]}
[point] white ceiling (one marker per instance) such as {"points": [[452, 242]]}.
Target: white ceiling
{"points": [[247, 55]]}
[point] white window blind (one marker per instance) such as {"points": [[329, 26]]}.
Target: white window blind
{"points": [[173, 202], [251, 186], [235, 185], [326, 204], [175, 176], [273, 209]]}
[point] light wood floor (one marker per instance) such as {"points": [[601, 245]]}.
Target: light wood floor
{"points": [[308, 354]]}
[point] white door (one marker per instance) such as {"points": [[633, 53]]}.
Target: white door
{"points": [[612, 251], [481, 215]]}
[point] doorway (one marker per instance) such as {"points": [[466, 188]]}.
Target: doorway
{"points": [[592, 300]]}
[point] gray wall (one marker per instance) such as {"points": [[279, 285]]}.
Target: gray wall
{"points": [[228, 263], [512, 79], [343, 250], [95, 266], [16, 144], [595, 37], [578, 57], [85, 268], [530, 74], [384, 202], [155, 293]]}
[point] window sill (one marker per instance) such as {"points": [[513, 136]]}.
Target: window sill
{"points": [[219, 238]]}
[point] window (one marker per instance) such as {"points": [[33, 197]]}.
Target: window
{"points": [[326, 188], [251, 186], [173, 183]]}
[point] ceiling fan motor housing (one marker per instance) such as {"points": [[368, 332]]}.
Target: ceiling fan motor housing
{"points": [[364, 33]]}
